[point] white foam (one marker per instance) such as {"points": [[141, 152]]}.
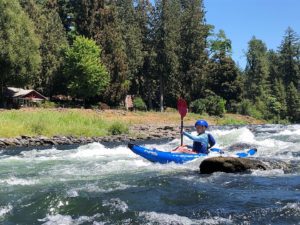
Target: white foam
{"points": [[116, 204], [18, 181], [59, 219], [5, 210], [72, 193], [93, 187], [293, 206], [215, 221], [228, 137], [95, 150], [166, 219], [288, 132], [274, 172], [162, 218]]}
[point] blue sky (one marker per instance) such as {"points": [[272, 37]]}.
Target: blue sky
{"points": [[242, 19]]}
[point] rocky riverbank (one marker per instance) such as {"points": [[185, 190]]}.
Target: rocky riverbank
{"points": [[137, 133]]}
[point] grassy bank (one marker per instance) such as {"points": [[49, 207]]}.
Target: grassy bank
{"points": [[80, 122]]}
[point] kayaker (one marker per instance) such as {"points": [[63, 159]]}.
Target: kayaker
{"points": [[202, 142]]}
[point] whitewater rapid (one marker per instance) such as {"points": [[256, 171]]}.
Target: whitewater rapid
{"points": [[98, 184]]}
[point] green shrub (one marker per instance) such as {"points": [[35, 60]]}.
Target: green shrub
{"points": [[139, 104], [246, 107], [230, 121], [118, 128], [213, 105], [198, 106], [47, 104]]}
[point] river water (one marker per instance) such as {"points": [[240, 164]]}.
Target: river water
{"points": [[94, 184]]}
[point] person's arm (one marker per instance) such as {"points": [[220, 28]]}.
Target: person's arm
{"points": [[211, 140], [194, 138]]}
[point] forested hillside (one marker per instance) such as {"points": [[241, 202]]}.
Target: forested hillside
{"points": [[101, 51]]}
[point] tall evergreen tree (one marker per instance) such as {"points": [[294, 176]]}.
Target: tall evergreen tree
{"points": [[87, 15], [224, 79], [144, 83], [167, 37], [98, 20], [293, 102], [67, 12], [19, 56], [193, 44], [221, 45], [278, 91], [132, 36], [114, 55], [53, 39], [257, 71], [289, 58]]}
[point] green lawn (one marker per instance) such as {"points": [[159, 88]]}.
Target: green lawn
{"points": [[88, 123], [49, 123]]}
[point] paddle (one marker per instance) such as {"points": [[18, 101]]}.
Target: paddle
{"points": [[182, 109]]}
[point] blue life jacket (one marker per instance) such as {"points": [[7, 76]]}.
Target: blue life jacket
{"points": [[202, 147]]}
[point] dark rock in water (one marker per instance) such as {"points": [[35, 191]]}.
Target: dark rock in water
{"points": [[230, 165]]}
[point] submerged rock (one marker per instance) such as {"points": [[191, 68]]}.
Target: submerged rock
{"points": [[230, 165]]}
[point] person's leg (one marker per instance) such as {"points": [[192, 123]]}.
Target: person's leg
{"points": [[183, 149]]}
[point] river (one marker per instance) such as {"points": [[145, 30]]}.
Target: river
{"points": [[97, 184]]}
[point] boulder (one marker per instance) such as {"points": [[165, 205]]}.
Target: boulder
{"points": [[230, 165]]}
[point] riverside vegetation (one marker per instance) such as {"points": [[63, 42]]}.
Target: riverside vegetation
{"points": [[90, 123], [101, 51]]}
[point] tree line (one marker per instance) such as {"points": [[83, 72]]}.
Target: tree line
{"points": [[100, 51]]}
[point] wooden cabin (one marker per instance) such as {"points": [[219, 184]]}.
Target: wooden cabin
{"points": [[19, 97]]}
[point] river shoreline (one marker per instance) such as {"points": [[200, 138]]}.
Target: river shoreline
{"points": [[138, 133]]}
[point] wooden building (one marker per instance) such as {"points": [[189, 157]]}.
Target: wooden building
{"points": [[18, 97]]}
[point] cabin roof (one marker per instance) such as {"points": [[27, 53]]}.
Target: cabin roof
{"points": [[22, 93]]}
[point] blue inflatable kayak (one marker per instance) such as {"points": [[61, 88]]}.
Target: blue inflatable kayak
{"points": [[157, 156]]}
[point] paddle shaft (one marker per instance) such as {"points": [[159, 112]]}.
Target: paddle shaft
{"points": [[182, 109], [181, 131]]}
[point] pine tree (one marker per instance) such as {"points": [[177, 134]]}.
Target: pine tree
{"points": [[293, 103], [87, 16], [167, 38], [132, 36], [221, 45], [193, 44], [114, 55], [224, 78], [144, 83], [19, 56], [53, 39], [98, 20], [257, 71], [67, 12], [278, 91], [289, 58]]}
